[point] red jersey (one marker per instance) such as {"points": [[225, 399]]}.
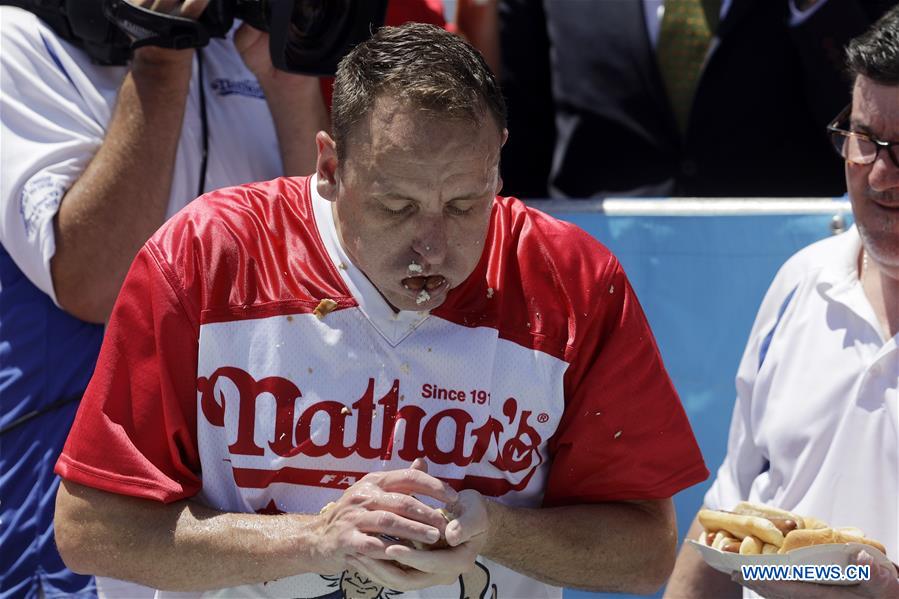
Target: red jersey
{"points": [[537, 381]]}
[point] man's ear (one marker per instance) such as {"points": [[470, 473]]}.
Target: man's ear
{"points": [[499, 179], [326, 166]]}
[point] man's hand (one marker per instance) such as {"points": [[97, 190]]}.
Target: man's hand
{"points": [[357, 530], [189, 9], [419, 568], [883, 584]]}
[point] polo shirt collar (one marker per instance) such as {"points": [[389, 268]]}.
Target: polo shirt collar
{"points": [[839, 280]]}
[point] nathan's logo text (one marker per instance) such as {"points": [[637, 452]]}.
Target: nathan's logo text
{"points": [[510, 440]]}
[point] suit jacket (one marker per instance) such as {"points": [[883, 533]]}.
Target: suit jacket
{"points": [[589, 115]]}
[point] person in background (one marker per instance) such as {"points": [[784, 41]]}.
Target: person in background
{"points": [[814, 425], [298, 373], [675, 97], [95, 158]]}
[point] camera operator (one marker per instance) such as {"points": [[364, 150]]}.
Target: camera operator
{"points": [[95, 158]]}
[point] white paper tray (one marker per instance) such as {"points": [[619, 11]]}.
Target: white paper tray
{"points": [[839, 554]]}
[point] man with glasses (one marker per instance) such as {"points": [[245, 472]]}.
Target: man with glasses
{"points": [[814, 429]]}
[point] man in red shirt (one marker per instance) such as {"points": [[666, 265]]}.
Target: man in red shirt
{"points": [[281, 352]]}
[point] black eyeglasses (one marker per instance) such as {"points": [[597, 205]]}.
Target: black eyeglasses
{"points": [[859, 148]]}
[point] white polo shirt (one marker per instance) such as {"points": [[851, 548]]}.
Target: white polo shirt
{"points": [[815, 424]]}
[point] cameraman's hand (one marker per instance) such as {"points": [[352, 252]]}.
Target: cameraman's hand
{"points": [[161, 57], [381, 503], [189, 9], [253, 46]]}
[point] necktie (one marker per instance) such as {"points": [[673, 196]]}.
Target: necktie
{"points": [[684, 36]]}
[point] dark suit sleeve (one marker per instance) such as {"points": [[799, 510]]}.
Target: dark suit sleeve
{"points": [[527, 87]]}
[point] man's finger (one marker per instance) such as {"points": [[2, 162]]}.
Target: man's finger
{"points": [[405, 506], [192, 9], [470, 520], [387, 523], [410, 481]]}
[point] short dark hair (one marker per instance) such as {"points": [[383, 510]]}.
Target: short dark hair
{"points": [[875, 53], [428, 67]]}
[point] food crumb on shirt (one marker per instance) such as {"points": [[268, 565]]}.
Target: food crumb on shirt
{"points": [[611, 289], [310, 370], [341, 266], [345, 410], [429, 349], [324, 307], [405, 368], [618, 434], [598, 413], [290, 319], [490, 292], [402, 397]]}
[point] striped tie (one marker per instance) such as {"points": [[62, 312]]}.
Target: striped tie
{"points": [[684, 37]]}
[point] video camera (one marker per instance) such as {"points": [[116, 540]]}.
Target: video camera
{"points": [[305, 36]]}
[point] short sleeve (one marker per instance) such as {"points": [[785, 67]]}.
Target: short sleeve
{"points": [[53, 114], [135, 431], [624, 435]]}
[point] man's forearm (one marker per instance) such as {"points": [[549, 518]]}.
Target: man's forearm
{"points": [[182, 546], [693, 579], [121, 198], [616, 547]]}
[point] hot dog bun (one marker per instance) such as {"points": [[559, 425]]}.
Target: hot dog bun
{"points": [[766, 511], [823, 536], [751, 546], [812, 523], [741, 525]]}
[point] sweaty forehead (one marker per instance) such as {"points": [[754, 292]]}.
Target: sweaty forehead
{"points": [[402, 132]]}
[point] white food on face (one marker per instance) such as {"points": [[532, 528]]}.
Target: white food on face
{"points": [[423, 296], [413, 267]]}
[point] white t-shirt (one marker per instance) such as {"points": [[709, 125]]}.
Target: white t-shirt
{"points": [[55, 105], [815, 427]]}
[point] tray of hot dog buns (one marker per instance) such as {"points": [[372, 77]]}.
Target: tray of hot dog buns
{"points": [[753, 534]]}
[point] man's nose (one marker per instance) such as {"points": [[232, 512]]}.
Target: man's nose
{"points": [[430, 242], [884, 174]]}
